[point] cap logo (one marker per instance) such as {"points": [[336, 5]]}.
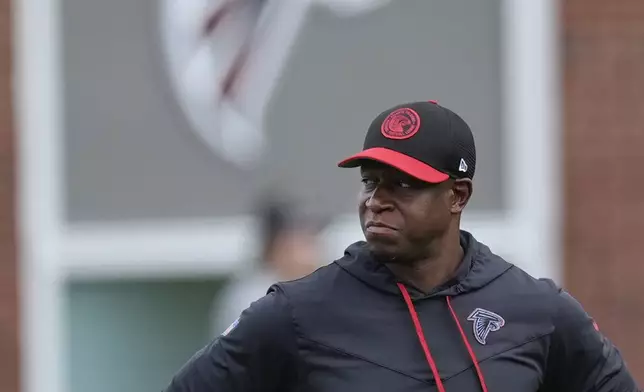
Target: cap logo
{"points": [[462, 167], [401, 124]]}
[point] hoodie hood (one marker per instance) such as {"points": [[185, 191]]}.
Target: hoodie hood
{"points": [[479, 267]]}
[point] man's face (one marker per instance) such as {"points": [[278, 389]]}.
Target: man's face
{"points": [[400, 215]]}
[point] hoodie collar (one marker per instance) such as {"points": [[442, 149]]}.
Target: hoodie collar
{"points": [[478, 268]]}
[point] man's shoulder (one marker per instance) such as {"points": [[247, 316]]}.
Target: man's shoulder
{"points": [[498, 275], [540, 295], [319, 280], [524, 281], [522, 293]]}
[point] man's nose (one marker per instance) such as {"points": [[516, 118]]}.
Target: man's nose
{"points": [[379, 199]]}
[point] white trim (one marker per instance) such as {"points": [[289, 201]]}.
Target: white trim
{"points": [[157, 249], [532, 122], [200, 248], [37, 99]]}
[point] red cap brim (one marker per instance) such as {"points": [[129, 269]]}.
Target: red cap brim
{"points": [[402, 162]]}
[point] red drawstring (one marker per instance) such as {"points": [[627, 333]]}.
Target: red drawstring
{"points": [[468, 346], [423, 341], [421, 337]]}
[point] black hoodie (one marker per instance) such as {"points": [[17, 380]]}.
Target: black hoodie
{"points": [[351, 326]]}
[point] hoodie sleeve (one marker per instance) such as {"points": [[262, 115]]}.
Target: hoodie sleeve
{"points": [[257, 353], [581, 358]]}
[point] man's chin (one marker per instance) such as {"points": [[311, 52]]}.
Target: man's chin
{"points": [[384, 253]]}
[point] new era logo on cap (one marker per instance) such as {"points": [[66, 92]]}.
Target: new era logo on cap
{"points": [[422, 139], [462, 166]]}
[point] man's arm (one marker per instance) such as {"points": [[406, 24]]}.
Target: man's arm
{"points": [[258, 353], [581, 358]]}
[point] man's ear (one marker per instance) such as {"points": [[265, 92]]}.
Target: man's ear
{"points": [[462, 192]]}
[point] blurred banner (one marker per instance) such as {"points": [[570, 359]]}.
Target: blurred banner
{"points": [[141, 88]]}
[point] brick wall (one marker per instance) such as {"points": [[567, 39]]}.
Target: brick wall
{"points": [[604, 166], [9, 375]]}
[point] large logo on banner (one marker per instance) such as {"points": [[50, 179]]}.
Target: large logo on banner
{"points": [[224, 58]]}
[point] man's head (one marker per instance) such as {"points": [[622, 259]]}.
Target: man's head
{"points": [[416, 167]]}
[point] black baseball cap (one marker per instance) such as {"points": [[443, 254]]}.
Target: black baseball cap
{"points": [[423, 139]]}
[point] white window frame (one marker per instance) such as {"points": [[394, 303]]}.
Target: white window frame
{"points": [[52, 253]]}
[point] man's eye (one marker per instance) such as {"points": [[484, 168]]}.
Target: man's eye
{"points": [[404, 184], [367, 182]]}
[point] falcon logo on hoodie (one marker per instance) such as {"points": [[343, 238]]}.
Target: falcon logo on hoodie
{"points": [[484, 322]]}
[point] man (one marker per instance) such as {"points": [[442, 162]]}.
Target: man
{"points": [[419, 306], [290, 249]]}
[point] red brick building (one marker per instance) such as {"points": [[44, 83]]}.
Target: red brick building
{"points": [[9, 309], [603, 89]]}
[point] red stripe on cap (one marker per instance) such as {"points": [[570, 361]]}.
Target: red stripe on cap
{"points": [[433, 101], [400, 161]]}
